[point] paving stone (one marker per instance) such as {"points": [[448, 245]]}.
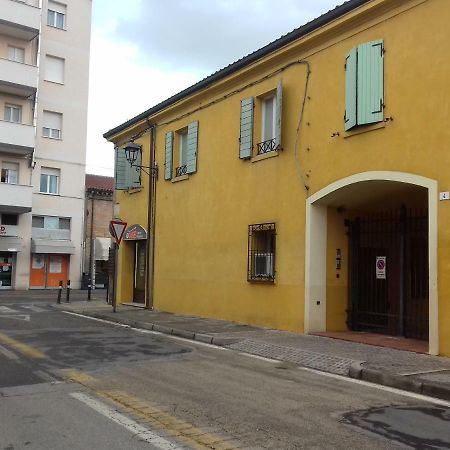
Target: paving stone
{"points": [[319, 361]]}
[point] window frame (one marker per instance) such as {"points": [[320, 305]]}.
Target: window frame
{"points": [[11, 107], [14, 49], [54, 22], [48, 184], [256, 249]]}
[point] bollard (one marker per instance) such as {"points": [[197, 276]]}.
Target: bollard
{"points": [[68, 292], [59, 292], [89, 290]]}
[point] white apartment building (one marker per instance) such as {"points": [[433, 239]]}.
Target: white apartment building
{"points": [[44, 70]]}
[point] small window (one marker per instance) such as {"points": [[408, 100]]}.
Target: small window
{"points": [[182, 150], [16, 54], [52, 125], [56, 15], [261, 252], [64, 223], [51, 223], [13, 113], [54, 69], [9, 219], [49, 181], [10, 173], [37, 222]]}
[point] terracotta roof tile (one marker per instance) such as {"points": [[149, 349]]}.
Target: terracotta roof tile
{"points": [[99, 182]]}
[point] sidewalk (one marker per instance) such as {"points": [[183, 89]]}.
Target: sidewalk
{"points": [[420, 373]]}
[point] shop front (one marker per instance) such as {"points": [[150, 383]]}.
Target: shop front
{"points": [[10, 244], [135, 236], [50, 263]]}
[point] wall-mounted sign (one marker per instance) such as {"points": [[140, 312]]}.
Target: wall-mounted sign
{"points": [[135, 233], [8, 230], [380, 267]]}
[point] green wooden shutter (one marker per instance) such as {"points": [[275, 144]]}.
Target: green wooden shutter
{"points": [[169, 152], [370, 82], [246, 133], [121, 170], [350, 89], [279, 107], [192, 144], [135, 172]]}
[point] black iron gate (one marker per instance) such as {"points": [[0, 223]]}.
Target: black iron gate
{"points": [[392, 299]]}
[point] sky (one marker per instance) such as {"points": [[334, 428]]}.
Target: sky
{"points": [[144, 51]]}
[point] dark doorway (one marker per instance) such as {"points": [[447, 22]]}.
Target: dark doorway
{"points": [[139, 273], [388, 273]]}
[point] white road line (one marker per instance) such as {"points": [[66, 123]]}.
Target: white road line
{"points": [[137, 429], [8, 353], [33, 308], [6, 310], [381, 387], [270, 360]]}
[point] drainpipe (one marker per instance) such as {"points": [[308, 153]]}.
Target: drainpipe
{"points": [[91, 243], [151, 207]]}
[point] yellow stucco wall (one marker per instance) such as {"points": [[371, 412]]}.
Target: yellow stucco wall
{"points": [[202, 221]]}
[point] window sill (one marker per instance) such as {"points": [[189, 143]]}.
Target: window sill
{"points": [[265, 156], [49, 193], [54, 82], [52, 138], [181, 178], [134, 190], [364, 129]]}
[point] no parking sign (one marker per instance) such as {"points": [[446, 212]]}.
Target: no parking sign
{"points": [[380, 267]]}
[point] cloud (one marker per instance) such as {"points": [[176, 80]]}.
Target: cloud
{"points": [[207, 35], [144, 51]]}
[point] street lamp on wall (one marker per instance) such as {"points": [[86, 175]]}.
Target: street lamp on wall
{"points": [[132, 151]]}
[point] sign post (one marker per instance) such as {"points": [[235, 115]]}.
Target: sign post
{"points": [[117, 229]]}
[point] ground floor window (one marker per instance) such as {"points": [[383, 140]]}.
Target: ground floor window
{"points": [[261, 252]]}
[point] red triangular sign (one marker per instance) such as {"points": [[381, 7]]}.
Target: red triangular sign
{"points": [[118, 228]]}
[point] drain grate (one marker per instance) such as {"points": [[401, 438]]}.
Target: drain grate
{"points": [[319, 361]]}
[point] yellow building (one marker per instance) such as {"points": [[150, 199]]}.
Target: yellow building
{"points": [[304, 186]]}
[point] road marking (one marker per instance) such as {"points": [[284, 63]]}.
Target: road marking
{"points": [[183, 431], [21, 347], [79, 377], [381, 387], [137, 429], [33, 308], [6, 310], [25, 317], [278, 361], [8, 353]]}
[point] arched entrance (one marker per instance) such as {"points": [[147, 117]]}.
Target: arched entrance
{"points": [[371, 252]]}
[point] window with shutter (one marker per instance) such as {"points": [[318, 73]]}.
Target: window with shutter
{"points": [[246, 129], [121, 170], [134, 171], [168, 156], [364, 84], [192, 148]]}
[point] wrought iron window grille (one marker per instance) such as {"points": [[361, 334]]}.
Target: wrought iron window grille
{"points": [[266, 147], [261, 252], [180, 171]]}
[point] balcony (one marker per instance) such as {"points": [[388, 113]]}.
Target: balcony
{"points": [[15, 198], [16, 138], [17, 78], [20, 19]]}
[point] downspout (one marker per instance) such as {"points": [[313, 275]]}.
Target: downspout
{"points": [[150, 254], [91, 243]]}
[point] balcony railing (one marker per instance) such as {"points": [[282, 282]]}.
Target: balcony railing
{"points": [[15, 198], [16, 138], [20, 19], [17, 78], [266, 147], [180, 171]]}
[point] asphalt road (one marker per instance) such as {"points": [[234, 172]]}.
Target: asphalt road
{"points": [[72, 382]]}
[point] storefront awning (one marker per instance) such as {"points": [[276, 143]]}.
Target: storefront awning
{"points": [[64, 247], [10, 244]]}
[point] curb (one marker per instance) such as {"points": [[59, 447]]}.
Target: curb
{"points": [[356, 371], [200, 337], [402, 382]]}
